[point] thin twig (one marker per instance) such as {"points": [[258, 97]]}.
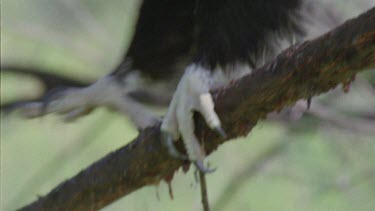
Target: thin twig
{"points": [[205, 203]]}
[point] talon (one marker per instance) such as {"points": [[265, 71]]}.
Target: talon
{"points": [[199, 164], [49, 97], [219, 130], [30, 110], [172, 150], [74, 114], [192, 95]]}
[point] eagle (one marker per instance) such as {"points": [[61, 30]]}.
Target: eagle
{"points": [[180, 50]]}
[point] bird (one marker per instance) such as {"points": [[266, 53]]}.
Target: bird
{"points": [[180, 50]]}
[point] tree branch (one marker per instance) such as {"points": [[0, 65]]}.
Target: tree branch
{"points": [[300, 72]]}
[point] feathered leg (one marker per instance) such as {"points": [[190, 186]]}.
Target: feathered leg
{"points": [[75, 102], [192, 94]]}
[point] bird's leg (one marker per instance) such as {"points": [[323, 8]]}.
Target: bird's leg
{"points": [[75, 102], [192, 94]]}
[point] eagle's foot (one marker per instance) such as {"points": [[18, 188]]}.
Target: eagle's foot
{"points": [[192, 94], [68, 102], [73, 103]]}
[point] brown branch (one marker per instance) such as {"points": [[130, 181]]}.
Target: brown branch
{"points": [[301, 71], [51, 167]]}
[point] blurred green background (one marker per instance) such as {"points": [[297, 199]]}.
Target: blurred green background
{"points": [[321, 160]]}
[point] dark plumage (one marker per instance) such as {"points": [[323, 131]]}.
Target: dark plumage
{"points": [[231, 31], [213, 33], [206, 43], [163, 38]]}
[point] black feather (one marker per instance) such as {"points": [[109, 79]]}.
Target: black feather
{"points": [[232, 31], [163, 38], [170, 34]]}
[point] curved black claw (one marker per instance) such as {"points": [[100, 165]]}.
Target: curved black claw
{"points": [[199, 164], [51, 96], [219, 130], [172, 150]]}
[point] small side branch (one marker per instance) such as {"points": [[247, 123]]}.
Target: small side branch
{"points": [[300, 72], [205, 202]]}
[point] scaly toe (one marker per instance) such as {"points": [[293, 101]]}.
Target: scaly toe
{"points": [[219, 130], [167, 141], [199, 164], [49, 97]]}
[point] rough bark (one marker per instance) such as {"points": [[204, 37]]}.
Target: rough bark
{"points": [[300, 72]]}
